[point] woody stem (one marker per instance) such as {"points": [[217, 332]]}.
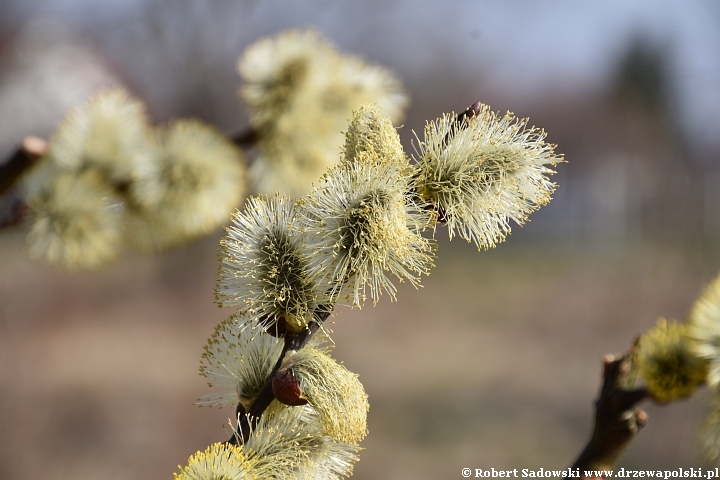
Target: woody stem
{"points": [[618, 419], [293, 341]]}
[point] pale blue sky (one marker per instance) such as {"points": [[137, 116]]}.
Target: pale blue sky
{"points": [[521, 48]]}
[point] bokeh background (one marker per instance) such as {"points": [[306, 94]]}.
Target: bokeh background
{"points": [[496, 361]]}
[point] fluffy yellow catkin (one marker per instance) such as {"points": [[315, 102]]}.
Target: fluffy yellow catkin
{"points": [[195, 178], [364, 222], [237, 360], [218, 461], [265, 264], [300, 92], [364, 218], [289, 443], [371, 131], [334, 392], [108, 133], [484, 171], [667, 361], [704, 321], [76, 221]]}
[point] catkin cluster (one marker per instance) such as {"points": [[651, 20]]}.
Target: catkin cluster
{"points": [[287, 444], [675, 358], [299, 91], [111, 180], [369, 221]]}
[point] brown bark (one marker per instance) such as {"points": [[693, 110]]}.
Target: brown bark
{"points": [[618, 419]]}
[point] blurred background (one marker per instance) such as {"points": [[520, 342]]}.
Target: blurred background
{"points": [[496, 361]]}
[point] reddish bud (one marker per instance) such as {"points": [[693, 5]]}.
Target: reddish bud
{"points": [[286, 388], [472, 111]]}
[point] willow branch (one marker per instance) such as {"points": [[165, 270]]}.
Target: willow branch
{"points": [[618, 419], [293, 341], [29, 151]]}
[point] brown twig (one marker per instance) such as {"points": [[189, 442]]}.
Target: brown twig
{"points": [[293, 341], [29, 151], [13, 210], [618, 419]]}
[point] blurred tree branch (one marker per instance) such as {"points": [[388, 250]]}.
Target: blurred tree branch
{"points": [[29, 151], [618, 419], [33, 148]]}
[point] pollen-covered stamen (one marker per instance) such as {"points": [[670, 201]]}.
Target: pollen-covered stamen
{"points": [[367, 223], [290, 443], [238, 359], [489, 167], [219, 461], [371, 136], [480, 170], [266, 265], [358, 234], [368, 241], [284, 279]]}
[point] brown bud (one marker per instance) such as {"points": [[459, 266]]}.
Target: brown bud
{"points": [[473, 110], [286, 388], [462, 120]]}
